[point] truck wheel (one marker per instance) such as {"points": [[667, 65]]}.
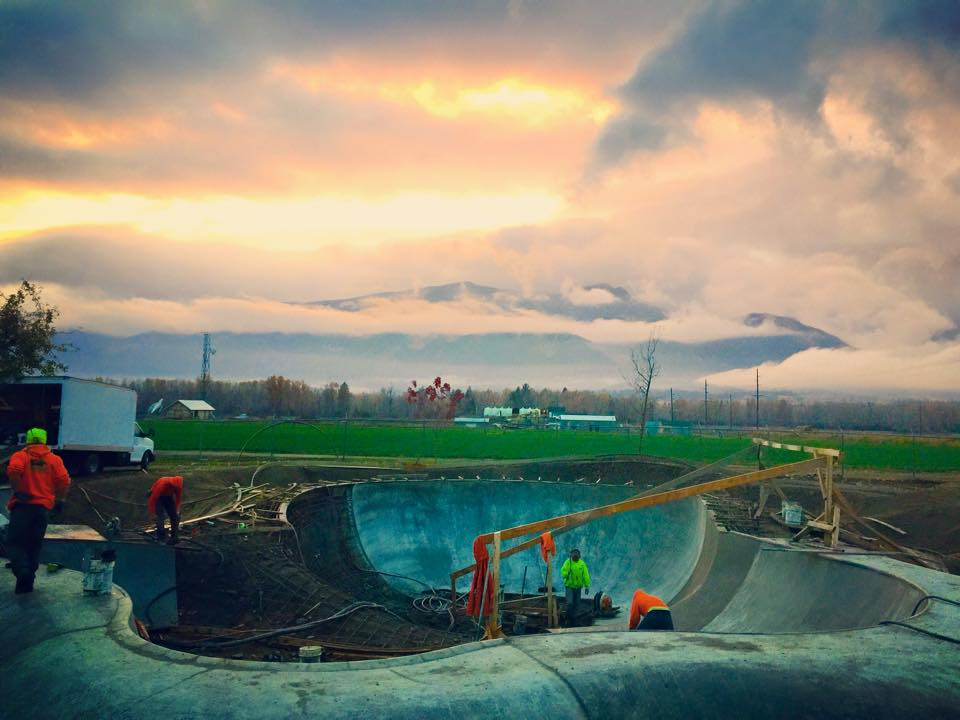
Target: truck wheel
{"points": [[146, 460], [91, 464]]}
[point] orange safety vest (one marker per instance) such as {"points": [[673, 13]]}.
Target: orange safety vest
{"points": [[167, 486], [42, 477], [643, 603]]}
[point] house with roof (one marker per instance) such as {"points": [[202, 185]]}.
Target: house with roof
{"points": [[587, 422], [189, 410]]}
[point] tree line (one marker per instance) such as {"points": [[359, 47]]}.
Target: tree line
{"points": [[278, 396], [27, 331]]}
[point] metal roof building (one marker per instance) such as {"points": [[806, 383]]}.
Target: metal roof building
{"points": [[587, 422], [189, 410]]}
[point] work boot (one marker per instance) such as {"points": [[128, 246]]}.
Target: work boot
{"points": [[24, 585]]}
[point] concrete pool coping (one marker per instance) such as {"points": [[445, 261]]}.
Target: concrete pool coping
{"points": [[83, 654]]}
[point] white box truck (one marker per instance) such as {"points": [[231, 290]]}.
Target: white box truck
{"points": [[89, 424]]}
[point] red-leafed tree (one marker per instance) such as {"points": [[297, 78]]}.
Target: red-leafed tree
{"points": [[438, 395]]}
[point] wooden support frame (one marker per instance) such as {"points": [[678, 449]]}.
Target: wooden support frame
{"points": [[566, 522], [635, 503], [828, 521]]}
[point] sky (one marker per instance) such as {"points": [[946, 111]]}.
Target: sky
{"points": [[205, 165]]}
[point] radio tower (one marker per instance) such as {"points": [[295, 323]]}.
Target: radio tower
{"points": [[208, 350]]}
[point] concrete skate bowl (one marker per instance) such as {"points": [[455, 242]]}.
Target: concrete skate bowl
{"points": [[714, 581]]}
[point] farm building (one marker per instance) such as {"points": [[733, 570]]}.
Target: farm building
{"points": [[588, 422], [470, 421], [189, 410], [508, 412]]}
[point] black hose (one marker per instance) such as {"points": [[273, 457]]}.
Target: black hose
{"points": [[938, 636], [349, 609], [932, 597], [208, 548], [146, 610]]}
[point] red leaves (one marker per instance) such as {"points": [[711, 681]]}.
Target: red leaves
{"points": [[438, 392]]}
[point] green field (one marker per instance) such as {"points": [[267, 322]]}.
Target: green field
{"points": [[406, 442]]}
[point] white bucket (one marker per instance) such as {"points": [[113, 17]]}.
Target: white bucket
{"points": [[98, 577], [792, 514], [311, 653]]}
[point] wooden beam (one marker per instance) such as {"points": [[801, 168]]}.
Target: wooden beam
{"points": [[835, 533], [551, 600], [512, 550], [817, 451], [764, 494], [650, 500], [493, 623]]}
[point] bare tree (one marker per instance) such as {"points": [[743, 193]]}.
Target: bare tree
{"points": [[645, 369]]}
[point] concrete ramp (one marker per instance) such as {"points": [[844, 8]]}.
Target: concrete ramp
{"points": [[715, 581], [81, 654], [426, 529]]}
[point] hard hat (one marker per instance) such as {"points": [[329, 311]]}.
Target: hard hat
{"points": [[36, 435]]}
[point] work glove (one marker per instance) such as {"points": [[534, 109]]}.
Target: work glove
{"points": [[58, 507]]}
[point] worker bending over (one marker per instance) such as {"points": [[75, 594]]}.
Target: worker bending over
{"points": [[165, 497], [38, 482], [648, 612], [576, 578]]}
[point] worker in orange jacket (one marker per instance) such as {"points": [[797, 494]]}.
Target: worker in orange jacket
{"points": [[39, 482], [165, 497], [648, 612]]}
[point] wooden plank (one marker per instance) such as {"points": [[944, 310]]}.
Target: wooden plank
{"points": [[764, 495], [828, 486], [493, 623], [779, 491], [551, 600], [835, 533], [650, 500], [513, 550], [817, 451]]}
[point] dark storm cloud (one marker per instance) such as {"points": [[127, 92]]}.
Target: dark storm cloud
{"points": [[96, 52], [776, 51], [92, 50]]}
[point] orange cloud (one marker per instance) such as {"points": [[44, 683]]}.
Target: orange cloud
{"points": [[453, 93], [289, 221], [57, 127]]}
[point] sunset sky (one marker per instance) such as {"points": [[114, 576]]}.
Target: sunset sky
{"points": [[189, 166]]}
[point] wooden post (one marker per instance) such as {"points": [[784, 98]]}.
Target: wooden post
{"points": [[493, 624], [835, 533], [764, 494], [551, 601], [828, 489]]}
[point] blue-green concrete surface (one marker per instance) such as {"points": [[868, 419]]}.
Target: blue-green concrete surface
{"points": [[425, 530], [64, 655]]}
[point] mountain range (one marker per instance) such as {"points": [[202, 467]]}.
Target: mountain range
{"points": [[493, 360]]}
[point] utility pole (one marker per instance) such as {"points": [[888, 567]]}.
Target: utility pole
{"points": [[205, 365], [731, 411], [671, 406], [704, 402], [756, 416]]}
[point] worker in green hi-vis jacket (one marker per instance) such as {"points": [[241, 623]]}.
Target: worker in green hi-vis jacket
{"points": [[576, 578]]}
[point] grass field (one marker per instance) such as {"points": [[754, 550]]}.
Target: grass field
{"points": [[427, 442]]}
